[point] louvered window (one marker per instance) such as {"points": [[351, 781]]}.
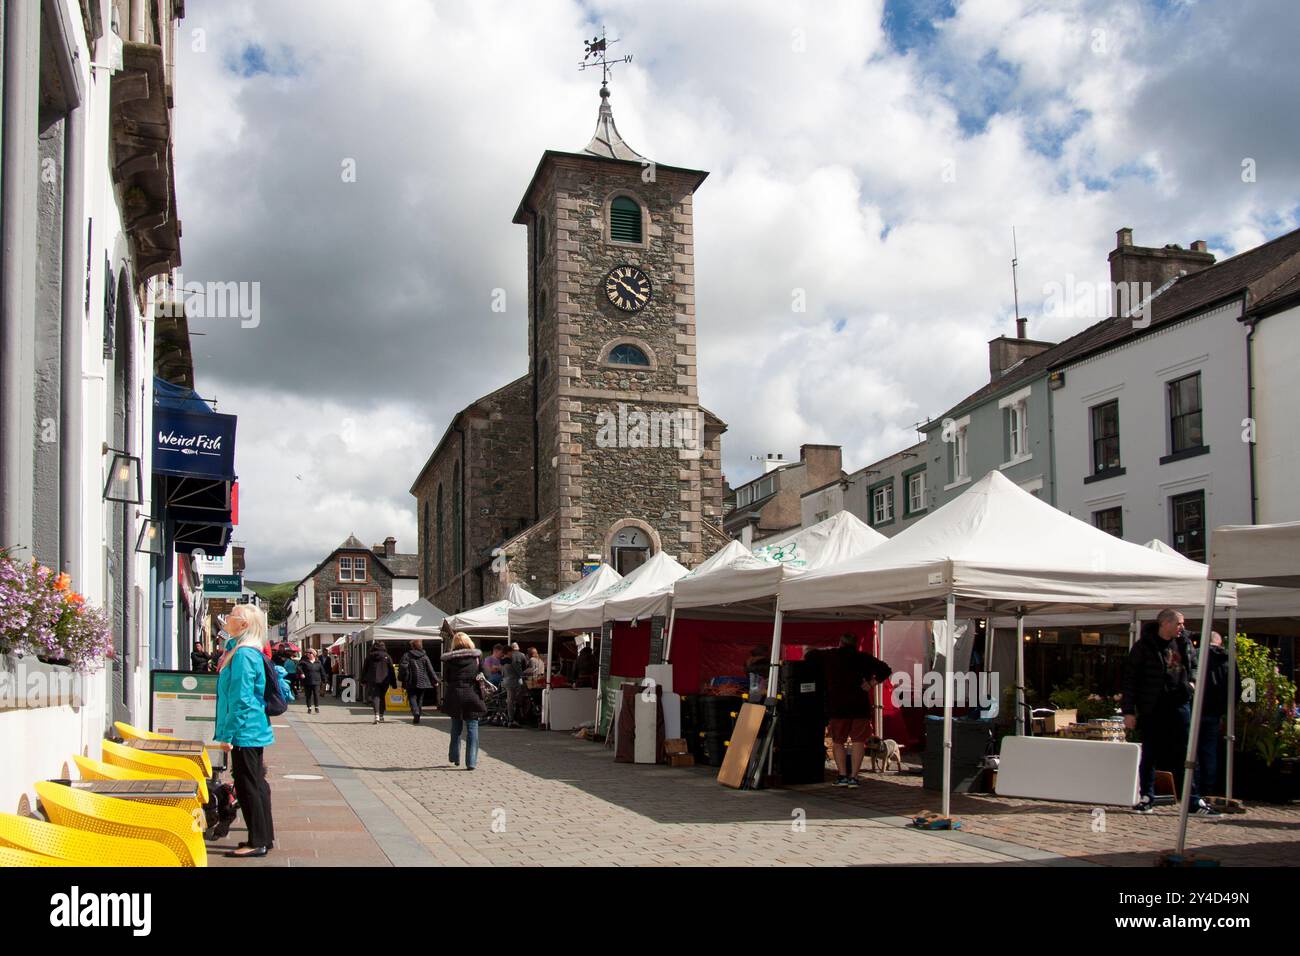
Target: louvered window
{"points": [[625, 220]]}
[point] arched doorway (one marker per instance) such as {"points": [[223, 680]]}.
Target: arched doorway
{"points": [[630, 549]]}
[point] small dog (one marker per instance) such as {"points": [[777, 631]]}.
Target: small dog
{"points": [[882, 752]]}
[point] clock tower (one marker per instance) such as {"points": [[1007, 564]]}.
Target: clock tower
{"points": [[624, 457]]}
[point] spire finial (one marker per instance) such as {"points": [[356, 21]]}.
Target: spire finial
{"points": [[597, 54]]}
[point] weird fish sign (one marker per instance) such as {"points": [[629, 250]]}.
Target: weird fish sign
{"points": [[195, 444]]}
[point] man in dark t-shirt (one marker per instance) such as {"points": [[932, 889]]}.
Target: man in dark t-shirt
{"points": [[851, 678]]}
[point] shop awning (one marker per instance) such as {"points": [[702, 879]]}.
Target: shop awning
{"points": [[194, 458]]}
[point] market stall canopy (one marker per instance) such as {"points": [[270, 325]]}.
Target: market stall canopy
{"points": [[341, 642], [538, 616], [492, 617], [1253, 601], [997, 548], [640, 607], [749, 582], [419, 619], [656, 574], [1257, 554]]}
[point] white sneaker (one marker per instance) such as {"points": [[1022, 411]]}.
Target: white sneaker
{"points": [[376, 720]]}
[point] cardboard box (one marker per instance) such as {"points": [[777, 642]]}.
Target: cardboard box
{"points": [[675, 745], [681, 760], [1058, 721]]}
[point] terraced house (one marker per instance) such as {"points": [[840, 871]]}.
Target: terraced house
{"points": [[352, 587]]}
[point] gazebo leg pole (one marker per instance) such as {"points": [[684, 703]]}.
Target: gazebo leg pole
{"points": [[1198, 707], [774, 662], [546, 694], [1132, 630], [668, 639], [1020, 673], [949, 648], [880, 688], [1232, 696]]}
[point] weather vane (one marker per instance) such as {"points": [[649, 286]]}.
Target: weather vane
{"points": [[597, 54]]}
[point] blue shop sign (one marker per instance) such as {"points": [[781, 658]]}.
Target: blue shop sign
{"points": [[199, 444]]}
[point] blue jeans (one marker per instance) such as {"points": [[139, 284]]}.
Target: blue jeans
{"points": [[1207, 756], [471, 742]]}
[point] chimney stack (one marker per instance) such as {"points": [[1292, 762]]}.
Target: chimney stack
{"points": [[1149, 267], [1022, 328], [390, 546]]}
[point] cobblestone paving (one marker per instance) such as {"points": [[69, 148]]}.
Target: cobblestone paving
{"points": [[389, 796]]}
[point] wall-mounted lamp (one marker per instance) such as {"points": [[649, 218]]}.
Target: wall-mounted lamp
{"points": [[151, 537], [124, 481]]}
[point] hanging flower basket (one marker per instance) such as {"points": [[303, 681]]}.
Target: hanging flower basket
{"points": [[42, 616]]}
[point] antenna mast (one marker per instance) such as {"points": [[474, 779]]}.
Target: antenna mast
{"points": [[1015, 260]]}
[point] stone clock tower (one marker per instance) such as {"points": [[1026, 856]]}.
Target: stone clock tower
{"points": [[624, 455]]}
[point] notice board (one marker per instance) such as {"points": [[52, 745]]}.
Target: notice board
{"points": [[183, 704]]}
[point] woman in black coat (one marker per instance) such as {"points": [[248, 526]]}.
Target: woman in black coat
{"points": [[462, 698], [417, 675], [313, 675], [378, 675]]}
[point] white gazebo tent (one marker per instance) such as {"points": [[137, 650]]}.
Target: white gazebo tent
{"points": [[537, 616], [655, 575], [745, 585], [994, 550], [1267, 555], [492, 618], [642, 605]]}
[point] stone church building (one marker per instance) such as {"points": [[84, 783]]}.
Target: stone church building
{"points": [[601, 451]]}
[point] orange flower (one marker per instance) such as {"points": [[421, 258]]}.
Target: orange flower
{"points": [[62, 582], [74, 598]]}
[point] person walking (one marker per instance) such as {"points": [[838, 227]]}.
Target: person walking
{"points": [[313, 675], [851, 678], [513, 667], [462, 698], [417, 675], [378, 675], [1157, 702], [327, 672], [242, 722]]}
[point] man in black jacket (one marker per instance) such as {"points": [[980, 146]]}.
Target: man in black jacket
{"points": [[851, 679], [1157, 701], [1217, 701], [200, 662]]}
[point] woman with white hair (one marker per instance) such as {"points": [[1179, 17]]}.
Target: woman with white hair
{"points": [[242, 722]]}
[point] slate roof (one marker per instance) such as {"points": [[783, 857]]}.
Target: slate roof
{"points": [[606, 141]]}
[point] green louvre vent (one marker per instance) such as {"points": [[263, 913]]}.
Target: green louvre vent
{"points": [[625, 220]]}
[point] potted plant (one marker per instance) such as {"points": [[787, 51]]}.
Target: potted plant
{"points": [[41, 616], [1268, 736]]}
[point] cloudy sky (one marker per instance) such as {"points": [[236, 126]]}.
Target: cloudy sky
{"points": [[874, 154]]}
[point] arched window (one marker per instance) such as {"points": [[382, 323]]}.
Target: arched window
{"points": [[427, 549], [545, 371], [625, 219], [439, 547], [541, 239], [457, 534], [626, 354]]}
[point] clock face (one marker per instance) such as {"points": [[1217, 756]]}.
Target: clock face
{"points": [[628, 288]]}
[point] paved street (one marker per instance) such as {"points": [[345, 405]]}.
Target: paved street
{"points": [[386, 796]]}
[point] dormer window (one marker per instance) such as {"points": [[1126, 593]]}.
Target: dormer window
{"points": [[625, 219]]}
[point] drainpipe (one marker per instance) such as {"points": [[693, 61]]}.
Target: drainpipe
{"points": [[18, 161], [73, 308], [1250, 412]]}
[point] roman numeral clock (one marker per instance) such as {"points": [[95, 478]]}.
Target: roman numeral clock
{"points": [[627, 288]]}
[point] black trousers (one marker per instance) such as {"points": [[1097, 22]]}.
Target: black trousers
{"points": [[379, 699], [249, 773], [313, 695], [415, 696]]}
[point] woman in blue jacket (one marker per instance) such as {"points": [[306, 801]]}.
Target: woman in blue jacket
{"points": [[242, 722]]}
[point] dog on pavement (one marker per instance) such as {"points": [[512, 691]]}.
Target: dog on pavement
{"points": [[883, 752]]}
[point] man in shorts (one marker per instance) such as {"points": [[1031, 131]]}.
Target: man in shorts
{"points": [[851, 678]]}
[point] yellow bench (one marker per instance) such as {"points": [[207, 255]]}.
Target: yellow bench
{"points": [[69, 846], [16, 858], [175, 829]]}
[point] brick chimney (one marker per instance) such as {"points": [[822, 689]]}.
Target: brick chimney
{"points": [[390, 546], [1144, 264], [1005, 352]]}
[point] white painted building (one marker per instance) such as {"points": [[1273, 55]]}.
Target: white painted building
{"points": [[1150, 413], [89, 232], [1274, 362]]}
